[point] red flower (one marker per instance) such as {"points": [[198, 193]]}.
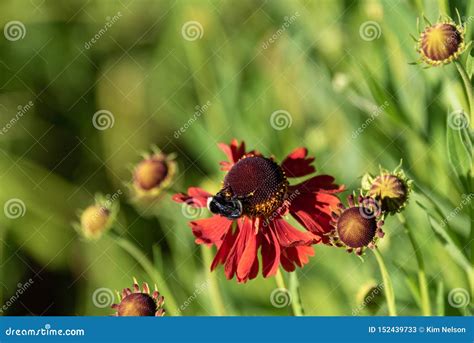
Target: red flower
{"points": [[249, 212]]}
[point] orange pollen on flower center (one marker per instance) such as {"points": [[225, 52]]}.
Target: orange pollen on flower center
{"points": [[259, 183]]}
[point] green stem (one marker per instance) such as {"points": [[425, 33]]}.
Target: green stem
{"points": [[215, 294], [296, 304], [170, 303], [388, 287], [422, 282], [467, 88]]}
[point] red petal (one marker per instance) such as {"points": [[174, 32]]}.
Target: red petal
{"points": [[297, 163], [210, 230], [234, 152], [270, 254], [289, 236], [224, 249], [196, 197], [246, 261], [296, 256]]}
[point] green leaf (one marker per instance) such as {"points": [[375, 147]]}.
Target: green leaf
{"points": [[459, 146], [440, 299], [444, 237]]}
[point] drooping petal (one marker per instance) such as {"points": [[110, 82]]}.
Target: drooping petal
{"points": [[210, 230], [224, 249], [312, 202], [196, 197], [244, 228], [296, 256], [270, 254], [297, 164], [289, 236], [249, 255]]}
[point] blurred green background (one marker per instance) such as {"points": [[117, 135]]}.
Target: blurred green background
{"points": [[250, 59]]}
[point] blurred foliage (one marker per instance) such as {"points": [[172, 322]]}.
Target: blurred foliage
{"points": [[151, 79]]}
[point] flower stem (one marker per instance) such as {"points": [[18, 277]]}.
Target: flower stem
{"points": [[170, 303], [422, 281], [467, 88], [296, 304], [388, 287], [215, 294]]}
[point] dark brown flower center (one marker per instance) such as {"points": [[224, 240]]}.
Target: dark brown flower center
{"points": [[355, 229], [441, 41], [137, 304], [259, 183], [150, 173]]}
